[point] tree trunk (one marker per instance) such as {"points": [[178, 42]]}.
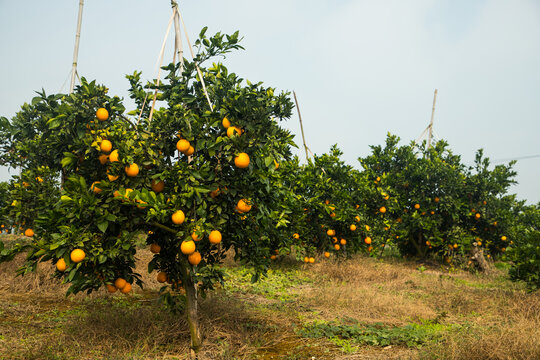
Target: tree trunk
{"points": [[478, 256], [192, 312]]}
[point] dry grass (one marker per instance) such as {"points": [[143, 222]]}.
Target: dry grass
{"points": [[491, 317]]}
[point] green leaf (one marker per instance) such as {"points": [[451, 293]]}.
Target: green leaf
{"points": [[103, 225]]}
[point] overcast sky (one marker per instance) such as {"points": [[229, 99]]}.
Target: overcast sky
{"points": [[360, 68]]}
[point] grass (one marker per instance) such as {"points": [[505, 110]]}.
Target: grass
{"points": [[358, 309]]}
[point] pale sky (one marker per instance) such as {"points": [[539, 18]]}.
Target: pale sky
{"points": [[360, 68]]}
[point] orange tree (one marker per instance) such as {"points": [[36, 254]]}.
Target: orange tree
{"points": [[199, 180], [326, 215], [430, 196], [523, 252]]}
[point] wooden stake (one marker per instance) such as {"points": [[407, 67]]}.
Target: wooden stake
{"points": [[76, 50], [301, 126]]}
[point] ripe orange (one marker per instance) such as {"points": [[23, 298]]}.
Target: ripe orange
{"points": [[161, 277], [195, 236], [233, 131], [378, 179], [367, 240], [352, 227], [477, 215], [436, 199], [368, 228], [112, 177], [111, 288], [296, 236], [503, 238], [126, 289], [155, 248], [214, 237], [243, 206], [273, 257], [330, 232], [306, 259], [61, 265], [428, 243], [29, 232], [77, 255], [190, 151], [333, 215], [182, 145], [312, 260], [195, 258], [120, 283], [382, 210], [242, 161], [357, 218], [455, 246], [102, 114], [158, 185], [113, 156], [105, 146], [187, 247], [370, 249], [336, 246], [103, 158], [132, 170], [178, 217], [95, 188], [417, 206], [326, 254], [343, 241], [226, 123]]}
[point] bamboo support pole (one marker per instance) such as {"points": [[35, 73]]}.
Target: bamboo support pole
{"points": [[301, 126], [76, 50], [430, 133]]}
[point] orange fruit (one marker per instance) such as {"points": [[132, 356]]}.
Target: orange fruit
{"points": [[102, 114], [95, 188], [112, 177], [111, 288], [190, 151], [113, 156], [273, 257], [368, 228], [333, 215], [126, 289], [214, 237], [306, 259], [311, 260], [503, 238], [120, 283], [132, 170], [334, 240], [428, 243], [196, 237], [378, 179], [226, 123], [417, 206], [326, 254], [296, 236], [330, 232], [103, 158], [29, 232], [370, 249], [343, 242], [455, 246], [187, 247], [77, 255], [105, 146], [242, 161], [367, 240], [155, 248], [61, 265], [399, 220], [178, 217], [436, 199], [195, 258], [382, 210], [357, 218], [477, 215], [161, 277], [352, 227], [336, 247], [243, 206], [182, 145], [158, 185], [233, 130]]}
